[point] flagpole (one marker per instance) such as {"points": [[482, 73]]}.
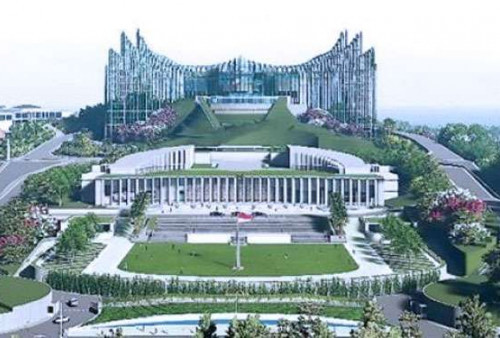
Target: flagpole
{"points": [[238, 258]]}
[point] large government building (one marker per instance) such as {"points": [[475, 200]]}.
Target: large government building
{"points": [[241, 175], [341, 80]]}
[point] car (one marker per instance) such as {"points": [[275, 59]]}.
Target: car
{"points": [[259, 214], [73, 302], [216, 213], [61, 320]]}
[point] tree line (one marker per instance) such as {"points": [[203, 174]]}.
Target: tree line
{"points": [[115, 286]]}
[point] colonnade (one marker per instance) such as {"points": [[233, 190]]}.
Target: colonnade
{"points": [[307, 190]]}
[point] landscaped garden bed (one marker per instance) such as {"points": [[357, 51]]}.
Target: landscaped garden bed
{"points": [[118, 313]]}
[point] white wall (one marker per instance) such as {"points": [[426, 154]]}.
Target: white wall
{"points": [[278, 238], [27, 315], [212, 238]]}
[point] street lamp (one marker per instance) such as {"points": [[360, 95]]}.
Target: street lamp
{"points": [[7, 137]]}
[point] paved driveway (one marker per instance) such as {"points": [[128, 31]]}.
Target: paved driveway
{"points": [[78, 315], [394, 305]]}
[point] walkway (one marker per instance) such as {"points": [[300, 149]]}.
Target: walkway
{"points": [[370, 264]]}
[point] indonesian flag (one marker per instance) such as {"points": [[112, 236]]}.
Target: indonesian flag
{"points": [[243, 217]]}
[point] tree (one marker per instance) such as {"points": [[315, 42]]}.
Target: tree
{"points": [[389, 125], [91, 118], [338, 212], [492, 258], [303, 328], [474, 321], [206, 327], [251, 327], [404, 240], [408, 323], [372, 314]]}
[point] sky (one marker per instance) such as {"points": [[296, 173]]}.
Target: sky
{"points": [[429, 53]]}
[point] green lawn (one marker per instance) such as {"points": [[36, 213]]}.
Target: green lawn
{"points": [[239, 119], [118, 313], [453, 291], [9, 269], [17, 291], [277, 128], [401, 201], [218, 259]]}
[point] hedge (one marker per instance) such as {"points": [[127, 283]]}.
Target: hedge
{"points": [[358, 288]]}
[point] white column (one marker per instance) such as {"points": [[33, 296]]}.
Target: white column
{"points": [[235, 189], [160, 190], [326, 183], [244, 193], [252, 182], [276, 190], [98, 192], [301, 190], [268, 189], [120, 187], [309, 190], [317, 191], [202, 192], [285, 189], [367, 190], [227, 189], [359, 192], [350, 191], [210, 191], [177, 190], [260, 189], [342, 188]]}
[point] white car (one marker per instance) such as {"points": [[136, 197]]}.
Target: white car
{"points": [[61, 320]]}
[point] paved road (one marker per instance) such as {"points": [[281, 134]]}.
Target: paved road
{"points": [[41, 158], [457, 168], [440, 152], [394, 305], [78, 315]]}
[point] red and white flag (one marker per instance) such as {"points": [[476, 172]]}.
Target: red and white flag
{"points": [[243, 217]]}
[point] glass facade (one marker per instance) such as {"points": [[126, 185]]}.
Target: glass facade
{"points": [[139, 82]]}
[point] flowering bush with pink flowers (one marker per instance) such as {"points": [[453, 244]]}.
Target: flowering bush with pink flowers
{"points": [[322, 118], [454, 206], [469, 234], [150, 129]]}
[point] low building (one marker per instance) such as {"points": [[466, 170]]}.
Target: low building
{"points": [[252, 175], [9, 116]]}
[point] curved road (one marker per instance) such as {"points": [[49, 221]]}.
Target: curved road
{"points": [[458, 169], [13, 173]]}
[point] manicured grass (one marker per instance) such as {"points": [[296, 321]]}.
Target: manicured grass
{"points": [[17, 291], [239, 119], [277, 128], [454, 291], [218, 259], [9, 269], [401, 201], [118, 313]]}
